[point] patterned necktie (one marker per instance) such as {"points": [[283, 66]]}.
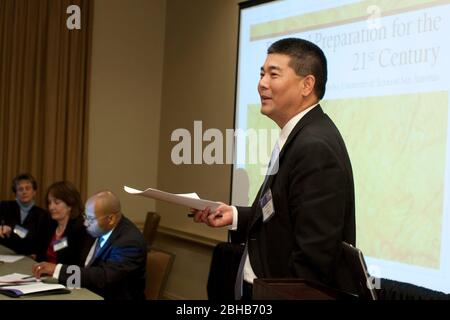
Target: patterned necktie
{"points": [[272, 168], [98, 246], [240, 275]]}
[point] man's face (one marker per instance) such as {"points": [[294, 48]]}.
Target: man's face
{"points": [[280, 89], [95, 223], [24, 191]]}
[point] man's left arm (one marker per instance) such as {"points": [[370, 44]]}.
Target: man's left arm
{"points": [[317, 202], [121, 263]]}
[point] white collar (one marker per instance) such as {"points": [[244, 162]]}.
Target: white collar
{"points": [[289, 126], [104, 238]]}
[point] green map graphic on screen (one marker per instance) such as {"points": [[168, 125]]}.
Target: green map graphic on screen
{"points": [[397, 148], [398, 161]]}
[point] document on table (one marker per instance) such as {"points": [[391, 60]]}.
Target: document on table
{"points": [[20, 290], [9, 258], [17, 284], [190, 200], [14, 278]]}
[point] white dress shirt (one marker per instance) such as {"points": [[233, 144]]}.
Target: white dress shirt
{"points": [[90, 255], [249, 274]]}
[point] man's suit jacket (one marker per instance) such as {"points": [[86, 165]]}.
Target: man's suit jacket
{"points": [[79, 242], [313, 197], [117, 272], [36, 222]]}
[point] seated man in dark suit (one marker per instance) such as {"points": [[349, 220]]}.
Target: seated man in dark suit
{"points": [[21, 220], [115, 265]]}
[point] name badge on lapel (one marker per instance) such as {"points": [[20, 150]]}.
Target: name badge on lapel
{"points": [[266, 204], [20, 231], [60, 244]]}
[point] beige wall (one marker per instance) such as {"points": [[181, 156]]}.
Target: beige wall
{"points": [[125, 101], [199, 81], [156, 66]]}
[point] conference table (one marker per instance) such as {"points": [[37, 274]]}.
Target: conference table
{"points": [[24, 266]]}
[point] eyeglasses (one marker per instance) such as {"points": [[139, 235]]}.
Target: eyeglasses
{"points": [[24, 189], [92, 219]]}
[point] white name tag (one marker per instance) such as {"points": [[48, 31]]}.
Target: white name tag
{"points": [[60, 244], [20, 231], [266, 204]]}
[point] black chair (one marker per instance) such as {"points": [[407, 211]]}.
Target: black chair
{"points": [[223, 270], [397, 290], [388, 289], [363, 281]]}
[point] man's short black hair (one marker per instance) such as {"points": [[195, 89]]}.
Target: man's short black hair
{"points": [[306, 59], [21, 177]]}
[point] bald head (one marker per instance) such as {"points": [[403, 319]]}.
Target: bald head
{"points": [[105, 202], [106, 207]]}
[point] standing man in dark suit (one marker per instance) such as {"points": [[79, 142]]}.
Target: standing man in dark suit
{"points": [[305, 207], [115, 265]]}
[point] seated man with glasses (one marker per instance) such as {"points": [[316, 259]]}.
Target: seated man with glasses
{"points": [[115, 265]]}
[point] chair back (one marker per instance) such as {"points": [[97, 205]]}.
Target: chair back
{"points": [[357, 265], [150, 227], [159, 265]]}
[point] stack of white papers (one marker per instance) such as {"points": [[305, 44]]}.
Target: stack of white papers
{"points": [[14, 278], [18, 284], [190, 200], [10, 258], [32, 288]]}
